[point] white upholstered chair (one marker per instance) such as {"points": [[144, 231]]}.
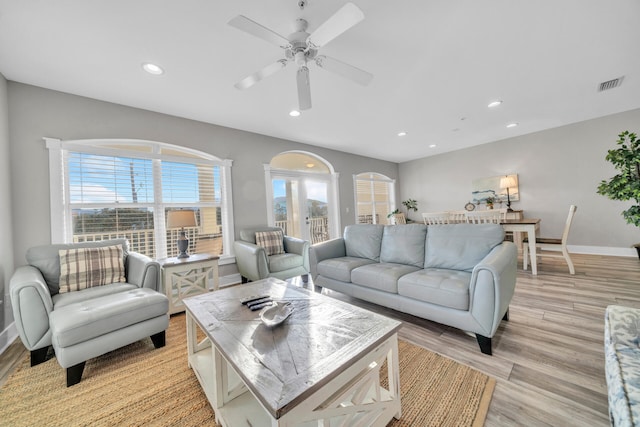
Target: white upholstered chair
{"points": [[433, 218], [553, 248]]}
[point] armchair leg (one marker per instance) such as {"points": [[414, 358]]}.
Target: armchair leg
{"points": [[38, 356], [484, 343], [159, 339], [244, 280], [506, 316], [74, 374], [305, 278]]}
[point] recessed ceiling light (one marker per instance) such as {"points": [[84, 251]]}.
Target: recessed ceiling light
{"points": [[494, 103], [154, 69], [512, 125], [432, 146], [403, 133], [294, 113]]}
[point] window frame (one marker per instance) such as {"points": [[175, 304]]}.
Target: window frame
{"points": [[61, 218], [378, 178]]}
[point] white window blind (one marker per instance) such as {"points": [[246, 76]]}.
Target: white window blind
{"points": [[107, 195], [374, 198]]}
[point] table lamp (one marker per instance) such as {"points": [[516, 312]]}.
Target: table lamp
{"points": [[180, 219], [506, 182]]}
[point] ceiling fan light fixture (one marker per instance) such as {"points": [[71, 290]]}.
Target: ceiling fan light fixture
{"points": [[154, 69], [294, 113], [495, 103]]}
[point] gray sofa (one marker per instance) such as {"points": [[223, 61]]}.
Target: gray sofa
{"points": [[461, 275], [86, 323]]}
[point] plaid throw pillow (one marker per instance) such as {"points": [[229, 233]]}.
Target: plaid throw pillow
{"points": [[84, 268], [271, 241]]}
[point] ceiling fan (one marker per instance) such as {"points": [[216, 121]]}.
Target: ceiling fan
{"points": [[301, 47]]}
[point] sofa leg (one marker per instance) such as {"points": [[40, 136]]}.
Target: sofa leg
{"points": [[305, 278], [244, 280], [506, 316], [159, 339], [484, 343], [74, 374], [38, 356]]}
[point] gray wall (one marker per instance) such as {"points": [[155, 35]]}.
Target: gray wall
{"points": [[6, 229], [556, 168], [36, 112]]}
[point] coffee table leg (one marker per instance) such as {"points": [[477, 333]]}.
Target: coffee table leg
{"points": [[394, 375]]}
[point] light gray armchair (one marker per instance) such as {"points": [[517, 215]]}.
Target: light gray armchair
{"points": [[83, 324], [254, 263]]}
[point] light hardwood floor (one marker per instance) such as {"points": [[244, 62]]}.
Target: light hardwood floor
{"points": [[548, 358]]}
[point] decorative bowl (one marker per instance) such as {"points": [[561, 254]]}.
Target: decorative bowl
{"points": [[277, 313]]}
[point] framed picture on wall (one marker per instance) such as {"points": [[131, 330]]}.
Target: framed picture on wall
{"points": [[484, 188]]}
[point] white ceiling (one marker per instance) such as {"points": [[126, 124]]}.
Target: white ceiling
{"points": [[437, 64]]}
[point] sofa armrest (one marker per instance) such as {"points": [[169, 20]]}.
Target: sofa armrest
{"points": [[31, 303], [251, 260], [493, 283], [293, 245], [334, 248], [143, 272]]}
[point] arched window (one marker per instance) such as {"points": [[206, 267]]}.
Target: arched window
{"points": [[302, 196], [375, 198], [144, 191]]}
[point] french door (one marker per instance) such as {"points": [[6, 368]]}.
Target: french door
{"points": [[301, 206]]}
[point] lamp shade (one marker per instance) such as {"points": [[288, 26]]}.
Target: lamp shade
{"points": [[507, 181], [181, 218]]}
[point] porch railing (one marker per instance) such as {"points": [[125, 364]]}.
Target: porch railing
{"points": [[318, 228]]}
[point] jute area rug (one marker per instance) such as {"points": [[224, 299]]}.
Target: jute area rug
{"points": [[140, 386]]}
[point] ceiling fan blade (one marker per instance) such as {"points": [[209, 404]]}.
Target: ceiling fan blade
{"points": [[340, 22], [345, 70], [245, 24], [263, 73], [304, 88]]}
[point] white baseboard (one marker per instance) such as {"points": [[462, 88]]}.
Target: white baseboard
{"points": [[231, 279], [602, 250], [8, 336]]}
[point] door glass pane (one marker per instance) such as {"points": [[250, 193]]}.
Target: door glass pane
{"points": [[286, 206], [317, 210]]}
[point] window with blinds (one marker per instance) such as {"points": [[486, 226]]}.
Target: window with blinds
{"points": [[130, 192], [374, 198]]}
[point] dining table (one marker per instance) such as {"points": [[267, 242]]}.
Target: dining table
{"points": [[524, 225]]}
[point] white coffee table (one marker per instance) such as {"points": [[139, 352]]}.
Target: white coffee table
{"points": [[322, 364]]}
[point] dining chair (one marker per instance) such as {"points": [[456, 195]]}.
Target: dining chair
{"points": [[456, 217], [399, 218], [491, 216], [546, 247], [434, 218]]}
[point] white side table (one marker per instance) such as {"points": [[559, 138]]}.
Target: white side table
{"points": [[185, 277]]}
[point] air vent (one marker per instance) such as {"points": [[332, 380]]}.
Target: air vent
{"points": [[610, 84]]}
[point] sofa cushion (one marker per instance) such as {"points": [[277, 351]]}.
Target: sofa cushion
{"points": [[381, 276], [447, 288], [460, 246], [282, 262], [82, 268], [404, 245], [47, 259], [363, 240], [271, 241], [341, 268]]}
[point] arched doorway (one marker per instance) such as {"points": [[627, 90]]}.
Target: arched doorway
{"points": [[302, 196]]}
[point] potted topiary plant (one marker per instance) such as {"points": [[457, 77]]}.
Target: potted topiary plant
{"points": [[626, 184], [411, 205]]}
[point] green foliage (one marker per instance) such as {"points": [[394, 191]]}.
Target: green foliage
{"points": [[393, 213], [411, 205], [626, 184]]}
